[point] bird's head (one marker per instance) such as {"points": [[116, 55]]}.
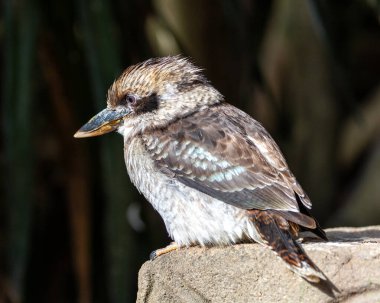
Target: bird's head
{"points": [[150, 95]]}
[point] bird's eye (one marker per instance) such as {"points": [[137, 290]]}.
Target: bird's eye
{"points": [[129, 99]]}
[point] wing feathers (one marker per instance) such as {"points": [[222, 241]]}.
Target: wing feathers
{"points": [[297, 218], [224, 153]]}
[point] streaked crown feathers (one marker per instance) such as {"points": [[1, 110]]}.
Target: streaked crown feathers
{"points": [[156, 75]]}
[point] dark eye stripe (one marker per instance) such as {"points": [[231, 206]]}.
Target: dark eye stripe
{"points": [[147, 104]]}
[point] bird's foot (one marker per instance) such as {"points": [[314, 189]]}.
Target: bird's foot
{"points": [[161, 251]]}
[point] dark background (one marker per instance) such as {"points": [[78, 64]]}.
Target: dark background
{"points": [[72, 228]]}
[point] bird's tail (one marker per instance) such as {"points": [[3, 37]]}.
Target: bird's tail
{"points": [[275, 232]]}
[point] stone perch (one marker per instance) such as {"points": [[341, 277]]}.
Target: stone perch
{"points": [[252, 273]]}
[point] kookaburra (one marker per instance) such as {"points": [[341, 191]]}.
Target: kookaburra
{"points": [[212, 172]]}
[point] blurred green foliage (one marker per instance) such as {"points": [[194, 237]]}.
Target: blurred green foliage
{"points": [[72, 227]]}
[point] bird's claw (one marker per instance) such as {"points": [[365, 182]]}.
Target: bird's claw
{"points": [[153, 255]]}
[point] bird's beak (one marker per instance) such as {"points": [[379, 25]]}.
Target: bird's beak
{"points": [[104, 122]]}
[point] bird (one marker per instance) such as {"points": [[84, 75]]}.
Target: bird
{"points": [[212, 172]]}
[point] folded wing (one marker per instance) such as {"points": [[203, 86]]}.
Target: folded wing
{"points": [[226, 154]]}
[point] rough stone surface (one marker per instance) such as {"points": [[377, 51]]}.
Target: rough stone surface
{"points": [[252, 273]]}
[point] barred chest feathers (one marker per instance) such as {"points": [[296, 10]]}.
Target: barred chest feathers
{"points": [[191, 217]]}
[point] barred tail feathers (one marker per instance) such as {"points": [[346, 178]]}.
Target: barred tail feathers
{"points": [[275, 232]]}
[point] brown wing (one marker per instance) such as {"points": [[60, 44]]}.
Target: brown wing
{"points": [[224, 153]]}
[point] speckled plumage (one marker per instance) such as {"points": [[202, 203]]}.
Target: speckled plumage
{"points": [[212, 172]]}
